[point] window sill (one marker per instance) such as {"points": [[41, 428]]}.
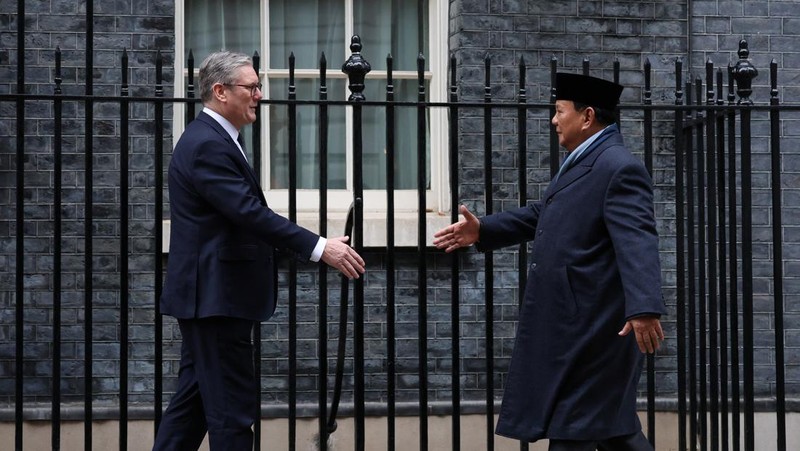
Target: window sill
{"points": [[405, 224]]}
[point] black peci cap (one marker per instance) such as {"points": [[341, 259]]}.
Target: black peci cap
{"points": [[590, 91]]}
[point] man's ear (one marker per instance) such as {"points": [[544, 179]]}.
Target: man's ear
{"points": [[591, 116], [219, 92]]}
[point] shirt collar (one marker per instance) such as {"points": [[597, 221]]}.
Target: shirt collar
{"points": [[223, 122]]}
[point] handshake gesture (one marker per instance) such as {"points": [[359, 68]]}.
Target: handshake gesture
{"points": [[463, 233], [338, 254]]}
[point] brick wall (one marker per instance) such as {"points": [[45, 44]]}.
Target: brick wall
{"points": [[142, 29]]}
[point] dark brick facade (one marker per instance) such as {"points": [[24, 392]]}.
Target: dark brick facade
{"points": [[504, 31], [141, 29]]}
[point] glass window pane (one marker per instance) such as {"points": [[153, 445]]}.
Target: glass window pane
{"points": [[213, 25], [405, 134], [399, 27], [308, 138], [307, 28]]}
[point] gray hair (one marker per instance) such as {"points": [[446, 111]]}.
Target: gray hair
{"points": [[220, 67]]}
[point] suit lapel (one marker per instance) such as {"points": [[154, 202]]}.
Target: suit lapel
{"points": [[249, 173]]}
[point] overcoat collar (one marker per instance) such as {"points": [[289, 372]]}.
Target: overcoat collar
{"points": [[583, 164]]}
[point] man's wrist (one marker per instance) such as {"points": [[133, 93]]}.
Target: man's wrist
{"points": [[644, 315], [316, 254]]}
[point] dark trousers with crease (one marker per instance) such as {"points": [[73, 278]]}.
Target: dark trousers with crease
{"points": [[633, 442], [216, 390]]}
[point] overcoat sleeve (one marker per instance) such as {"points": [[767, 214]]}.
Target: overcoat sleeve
{"points": [[629, 217], [508, 228]]}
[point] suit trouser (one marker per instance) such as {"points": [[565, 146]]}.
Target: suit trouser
{"points": [[633, 442], [216, 390]]}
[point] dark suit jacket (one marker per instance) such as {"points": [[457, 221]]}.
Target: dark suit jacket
{"points": [[594, 264], [223, 234]]}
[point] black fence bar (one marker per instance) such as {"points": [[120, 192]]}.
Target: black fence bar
{"points": [[680, 261], [617, 115], [455, 304], [647, 99], [713, 306], [744, 72], [19, 277], [255, 128], [691, 263], [522, 180], [158, 151], [358, 289], [422, 253], [722, 248], [190, 106], [488, 255], [422, 233], [322, 342], [747, 283], [123, 253], [356, 68], [257, 370], [391, 348], [55, 403], [702, 299], [256, 146], [648, 163], [777, 257], [555, 161], [88, 252], [292, 115], [733, 266]]}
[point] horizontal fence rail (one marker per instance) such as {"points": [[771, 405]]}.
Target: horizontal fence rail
{"points": [[725, 281]]}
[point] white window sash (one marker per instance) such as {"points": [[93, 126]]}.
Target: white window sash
{"points": [[437, 196]]}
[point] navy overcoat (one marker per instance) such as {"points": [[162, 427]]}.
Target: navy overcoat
{"points": [[594, 263], [223, 235]]}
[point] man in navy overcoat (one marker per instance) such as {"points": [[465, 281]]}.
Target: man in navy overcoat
{"points": [[594, 277], [221, 263]]}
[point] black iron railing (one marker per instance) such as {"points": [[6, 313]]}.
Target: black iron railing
{"points": [[710, 156]]}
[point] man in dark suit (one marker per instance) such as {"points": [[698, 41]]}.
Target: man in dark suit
{"points": [[221, 263], [594, 277]]}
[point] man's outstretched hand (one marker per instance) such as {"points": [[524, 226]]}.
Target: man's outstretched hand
{"points": [[461, 234], [341, 256]]}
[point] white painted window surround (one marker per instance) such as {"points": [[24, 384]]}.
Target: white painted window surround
{"points": [[375, 215]]}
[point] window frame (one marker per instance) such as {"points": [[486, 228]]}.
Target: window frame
{"points": [[375, 202]]}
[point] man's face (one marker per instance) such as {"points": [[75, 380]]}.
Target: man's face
{"points": [[241, 101], [570, 124]]}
